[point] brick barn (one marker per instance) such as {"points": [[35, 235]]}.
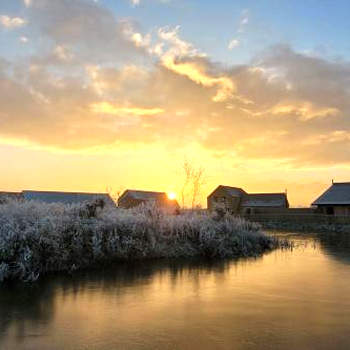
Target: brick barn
{"points": [[335, 200], [238, 201]]}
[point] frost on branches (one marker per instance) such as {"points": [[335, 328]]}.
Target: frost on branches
{"points": [[37, 238]]}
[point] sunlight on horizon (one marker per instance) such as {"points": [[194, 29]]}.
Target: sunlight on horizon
{"points": [[122, 98], [172, 195]]}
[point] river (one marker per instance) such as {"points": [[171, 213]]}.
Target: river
{"points": [[287, 299]]}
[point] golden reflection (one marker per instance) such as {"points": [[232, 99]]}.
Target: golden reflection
{"points": [[267, 300]]}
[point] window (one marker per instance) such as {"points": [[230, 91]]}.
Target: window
{"points": [[330, 211], [222, 200]]}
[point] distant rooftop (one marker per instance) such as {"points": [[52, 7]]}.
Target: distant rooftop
{"points": [[264, 200], [233, 191], [337, 194], [144, 195], [64, 197]]}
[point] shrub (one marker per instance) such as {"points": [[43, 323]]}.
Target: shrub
{"points": [[37, 238]]}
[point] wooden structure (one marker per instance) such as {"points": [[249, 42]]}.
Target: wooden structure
{"points": [[134, 198], [237, 201], [66, 197], [335, 200], [5, 196]]}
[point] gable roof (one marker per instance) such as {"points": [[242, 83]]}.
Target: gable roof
{"points": [[234, 191], [337, 194], [144, 195], [65, 197], [231, 191], [159, 198], [264, 200]]}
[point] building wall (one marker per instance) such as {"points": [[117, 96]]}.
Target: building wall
{"points": [[342, 211], [220, 198], [128, 202], [5, 196], [337, 210], [278, 211], [167, 205]]}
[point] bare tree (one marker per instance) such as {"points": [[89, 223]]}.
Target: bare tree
{"points": [[115, 194], [188, 175], [193, 181], [197, 182]]}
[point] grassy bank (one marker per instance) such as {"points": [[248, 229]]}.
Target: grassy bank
{"points": [[307, 227], [38, 238]]}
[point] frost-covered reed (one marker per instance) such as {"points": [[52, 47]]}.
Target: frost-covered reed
{"points": [[37, 238]]}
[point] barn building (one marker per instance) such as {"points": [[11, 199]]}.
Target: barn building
{"points": [[238, 201], [5, 196], [66, 197], [134, 198], [335, 200]]}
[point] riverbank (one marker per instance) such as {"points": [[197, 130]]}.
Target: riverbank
{"points": [[285, 300], [307, 227], [36, 238]]}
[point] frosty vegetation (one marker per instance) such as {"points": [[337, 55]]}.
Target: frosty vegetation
{"points": [[38, 238]]}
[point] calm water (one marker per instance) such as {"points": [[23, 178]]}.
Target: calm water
{"points": [[296, 299]]}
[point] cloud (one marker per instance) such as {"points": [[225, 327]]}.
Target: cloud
{"points": [[197, 73], [98, 81], [12, 22], [177, 46], [183, 58], [305, 110], [244, 20], [135, 3], [280, 123], [138, 39], [27, 3], [23, 39], [233, 43], [89, 30], [63, 53], [109, 108]]}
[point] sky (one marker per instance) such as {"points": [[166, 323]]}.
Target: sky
{"points": [[119, 94]]}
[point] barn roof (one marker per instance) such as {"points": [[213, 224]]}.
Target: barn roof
{"points": [[337, 194], [264, 200], [65, 197], [144, 195], [232, 191]]}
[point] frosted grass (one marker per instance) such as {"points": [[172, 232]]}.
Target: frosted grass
{"points": [[37, 238]]}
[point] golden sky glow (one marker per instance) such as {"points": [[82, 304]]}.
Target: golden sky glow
{"points": [[115, 105], [108, 108]]}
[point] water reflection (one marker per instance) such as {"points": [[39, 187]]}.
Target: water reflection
{"points": [[28, 305], [24, 305], [336, 245], [285, 300]]}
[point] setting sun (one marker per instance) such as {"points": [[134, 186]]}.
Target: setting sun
{"points": [[171, 195]]}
